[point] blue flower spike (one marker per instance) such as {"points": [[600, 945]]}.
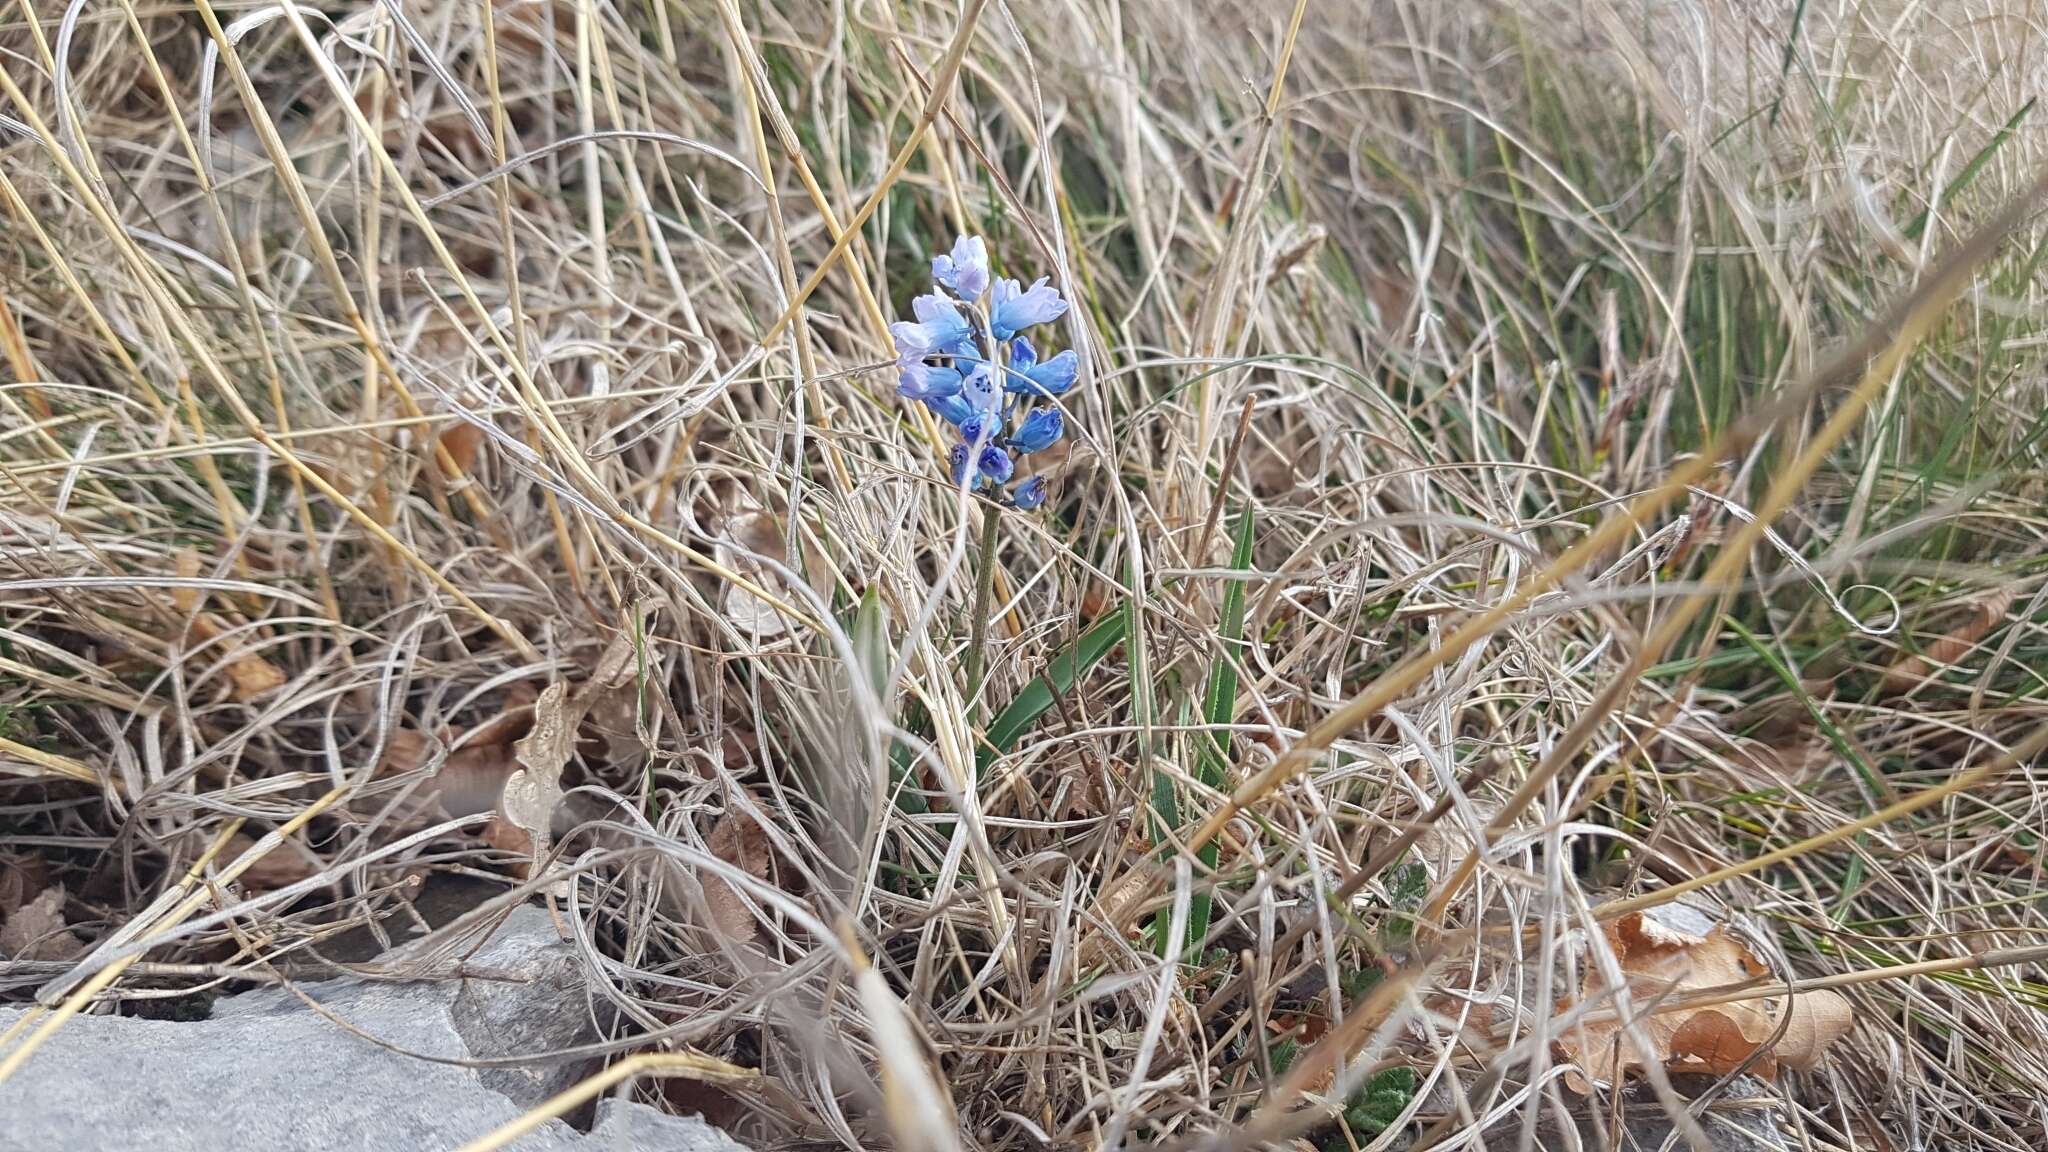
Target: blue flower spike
{"points": [[966, 358]]}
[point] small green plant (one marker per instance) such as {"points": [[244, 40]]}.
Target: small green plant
{"points": [[1407, 884], [1377, 1104]]}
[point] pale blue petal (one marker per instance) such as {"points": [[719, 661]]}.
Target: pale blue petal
{"points": [[952, 409], [1050, 378], [921, 381], [980, 427], [964, 272], [979, 388], [1014, 309], [913, 342], [946, 330]]}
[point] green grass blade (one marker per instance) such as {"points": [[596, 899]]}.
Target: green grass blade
{"points": [[1976, 165], [1219, 708], [1037, 697], [1785, 59], [1835, 738], [869, 632]]}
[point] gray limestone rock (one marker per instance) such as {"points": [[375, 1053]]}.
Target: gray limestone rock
{"points": [[626, 1126], [267, 1071]]}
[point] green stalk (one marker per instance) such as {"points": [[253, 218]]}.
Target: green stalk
{"points": [[984, 591]]}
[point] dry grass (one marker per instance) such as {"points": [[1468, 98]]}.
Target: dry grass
{"points": [[372, 376]]}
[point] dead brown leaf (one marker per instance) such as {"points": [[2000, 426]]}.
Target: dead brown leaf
{"points": [[1985, 614], [21, 878], [511, 765], [514, 719], [249, 674], [474, 777], [753, 531], [1665, 957], [738, 840], [1304, 1029], [405, 750], [186, 565], [469, 780], [534, 788], [505, 836], [462, 440], [288, 863], [36, 931], [1121, 903]]}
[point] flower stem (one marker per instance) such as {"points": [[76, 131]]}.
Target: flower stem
{"points": [[984, 591]]}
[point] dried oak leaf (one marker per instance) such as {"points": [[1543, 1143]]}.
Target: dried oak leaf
{"points": [[35, 931], [1666, 956], [250, 676], [468, 780], [754, 532], [463, 440]]}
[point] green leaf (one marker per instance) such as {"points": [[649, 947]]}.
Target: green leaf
{"points": [[1282, 1055], [1411, 884], [869, 633], [1037, 697], [1407, 884], [867, 628], [1219, 708], [1165, 797], [1356, 982], [1790, 680], [908, 800], [1212, 747], [1377, 1104]]}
